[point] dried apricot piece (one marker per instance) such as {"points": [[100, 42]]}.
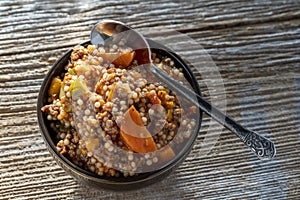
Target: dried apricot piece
{"points": [[134, 134], [122, 60], [55, 87], [166, 153]]}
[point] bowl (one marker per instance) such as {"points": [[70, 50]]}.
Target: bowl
{"points": [[115, 183]]}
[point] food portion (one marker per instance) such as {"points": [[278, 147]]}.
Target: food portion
{"points": [[111, 116]]}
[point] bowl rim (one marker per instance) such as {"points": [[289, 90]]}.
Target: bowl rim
{"points": [[116, 180]]}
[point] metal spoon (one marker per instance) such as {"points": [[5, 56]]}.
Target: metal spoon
{"points": [[113, 31]]}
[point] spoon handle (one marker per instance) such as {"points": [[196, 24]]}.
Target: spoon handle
{"points": [[261, 146]]}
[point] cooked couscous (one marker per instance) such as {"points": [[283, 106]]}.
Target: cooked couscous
{"points": [[104, 99]]}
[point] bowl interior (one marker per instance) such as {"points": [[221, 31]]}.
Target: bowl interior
{"points": [[49, 135]]}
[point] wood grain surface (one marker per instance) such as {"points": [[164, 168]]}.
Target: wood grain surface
{"points": [[254, 44]]}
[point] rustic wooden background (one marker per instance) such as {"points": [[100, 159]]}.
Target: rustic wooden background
{"points": [[256, 46]]}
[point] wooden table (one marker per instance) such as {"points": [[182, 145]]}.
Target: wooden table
{"points": [[254, 44]]}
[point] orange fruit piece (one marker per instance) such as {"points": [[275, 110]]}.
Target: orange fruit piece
{"points": [[122, 60], [134, 134]]}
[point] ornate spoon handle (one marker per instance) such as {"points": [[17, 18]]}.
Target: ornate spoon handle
{"points": [[261, 146]]}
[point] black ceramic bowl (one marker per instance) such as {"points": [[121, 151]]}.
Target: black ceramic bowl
{"points": [[114, 183]]}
